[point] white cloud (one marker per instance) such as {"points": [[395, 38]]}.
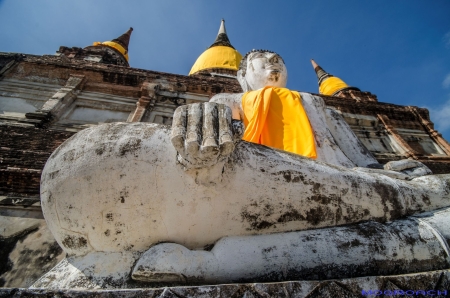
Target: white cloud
{"points": [[446, 82], [441, 116], [446, 40]]}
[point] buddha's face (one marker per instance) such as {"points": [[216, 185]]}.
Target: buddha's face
{"points": [[265, 69]]}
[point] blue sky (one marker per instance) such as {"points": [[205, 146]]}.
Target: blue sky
{"points": [[398, 50]]}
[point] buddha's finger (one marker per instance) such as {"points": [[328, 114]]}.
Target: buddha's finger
{"points": [[178, 133], [210, 131], [194, 129], [225, 132]]}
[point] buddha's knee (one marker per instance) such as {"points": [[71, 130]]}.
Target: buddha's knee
{"points": [[91, 196]]}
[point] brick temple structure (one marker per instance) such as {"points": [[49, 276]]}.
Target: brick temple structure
{"points": [[44, 100]]}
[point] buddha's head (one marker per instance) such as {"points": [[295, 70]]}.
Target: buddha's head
{"points": [[261, 68]]}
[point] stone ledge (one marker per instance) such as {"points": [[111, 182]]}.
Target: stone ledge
{"points": [[352, 287], [20, 201]]}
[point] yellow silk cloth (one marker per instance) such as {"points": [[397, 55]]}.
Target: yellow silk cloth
{"points": [[331, 85], [217, 57], [275, 117], [114, 45]]}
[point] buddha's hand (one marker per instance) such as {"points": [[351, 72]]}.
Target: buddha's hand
{"points": [[204, 134], [409, 167]]}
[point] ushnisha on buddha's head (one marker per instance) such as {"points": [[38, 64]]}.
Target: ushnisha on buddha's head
{"points": [[261, 68]]}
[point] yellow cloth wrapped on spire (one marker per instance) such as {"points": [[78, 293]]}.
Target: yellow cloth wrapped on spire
{"points": [[114, 45], [275, 117], [332, 85]]}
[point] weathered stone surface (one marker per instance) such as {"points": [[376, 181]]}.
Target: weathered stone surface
{"points": [[432, 281], [392, 174], [405, 164], [356, 250], [308, 194], [27, 248]]}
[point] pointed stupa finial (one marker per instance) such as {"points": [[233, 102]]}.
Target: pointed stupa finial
{"points": [[222, 37], [124, 39], [321, 74], [222, 27]]}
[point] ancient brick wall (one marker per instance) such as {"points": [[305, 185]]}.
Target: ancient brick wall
{"points": [[23, 153]]}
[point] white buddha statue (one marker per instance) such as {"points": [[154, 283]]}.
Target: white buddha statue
{"points": [[114, 191], [335, 142]]}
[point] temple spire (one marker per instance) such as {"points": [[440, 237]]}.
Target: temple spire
{"points": [[222, 37], [320, 72], [222, 27], [329, 84], [124, 39], [221, 58]]}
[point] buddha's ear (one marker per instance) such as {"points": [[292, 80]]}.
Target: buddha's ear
{"points": [[242, 81]]}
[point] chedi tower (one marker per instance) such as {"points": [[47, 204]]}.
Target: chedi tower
{"points": [[221, 58], [334, 86], [108, 52]]}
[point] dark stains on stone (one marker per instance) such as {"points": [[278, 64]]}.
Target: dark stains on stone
{"points": [[109, 217], [316, 215], [268, 249], [74, 242], [263, 215], [208, 247], [107, 232], [348, 244], [290, 177], [7, 245], [100, 150], [263, 225], [370, 229], [129, 247], [256, 223], [287, 176], [322, 199], [131, 146], [69, 155], [123, 194], [53, 174], [426, 200], [292, 215], [389, 194], [295, 288], [370, 268]]}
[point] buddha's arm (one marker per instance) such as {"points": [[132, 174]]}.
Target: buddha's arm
{"points": [[355, 150], [347, 141]]}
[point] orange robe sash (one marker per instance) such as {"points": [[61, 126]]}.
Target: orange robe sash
{"points": [[275, 117]]}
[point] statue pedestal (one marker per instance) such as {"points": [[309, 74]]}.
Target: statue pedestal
{"points": [[351, 287]]}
